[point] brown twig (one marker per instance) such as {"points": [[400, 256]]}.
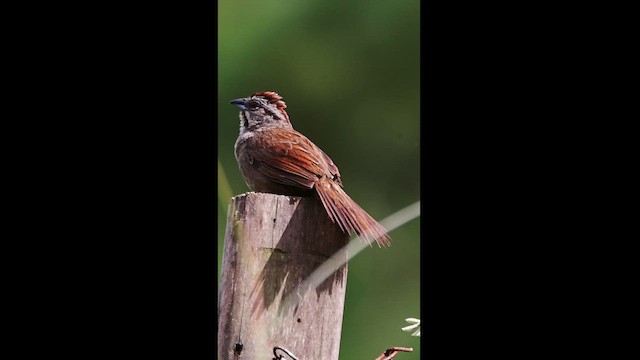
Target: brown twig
{"points": [[392, 352]]}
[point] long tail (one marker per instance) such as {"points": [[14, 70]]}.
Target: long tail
{"points": [[351, 218]]}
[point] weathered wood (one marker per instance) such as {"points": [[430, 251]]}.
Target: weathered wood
{"points": [[272, 243]]}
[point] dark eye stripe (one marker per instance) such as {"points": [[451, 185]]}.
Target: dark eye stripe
{"points": [[274, 114]]}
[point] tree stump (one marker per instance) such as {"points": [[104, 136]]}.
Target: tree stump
{"points": [[272, 243]]}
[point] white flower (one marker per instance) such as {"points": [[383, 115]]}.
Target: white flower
{"points": [[415, 324]]}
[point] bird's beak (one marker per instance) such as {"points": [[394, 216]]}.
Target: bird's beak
{"points": [[239, 103]]}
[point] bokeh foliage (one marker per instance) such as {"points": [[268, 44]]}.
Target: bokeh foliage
{"points": [[349, 72]]}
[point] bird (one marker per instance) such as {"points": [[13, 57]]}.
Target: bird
{"points": [[275, 158]]}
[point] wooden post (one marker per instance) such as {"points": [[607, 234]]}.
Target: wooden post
{"points": [[272, 243]]}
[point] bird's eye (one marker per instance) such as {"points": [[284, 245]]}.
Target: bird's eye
{"points": [[252, 104]]}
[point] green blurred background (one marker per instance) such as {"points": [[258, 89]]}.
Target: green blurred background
{"points": [[349, 73]]}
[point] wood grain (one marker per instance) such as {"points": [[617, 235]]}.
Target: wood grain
{"points": [[272, 243]]}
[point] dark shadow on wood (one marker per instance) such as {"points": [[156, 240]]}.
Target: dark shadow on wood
{"points": [[309, 239]]}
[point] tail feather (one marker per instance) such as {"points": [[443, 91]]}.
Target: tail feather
{"points": [[333, 212], [349, 216]]}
